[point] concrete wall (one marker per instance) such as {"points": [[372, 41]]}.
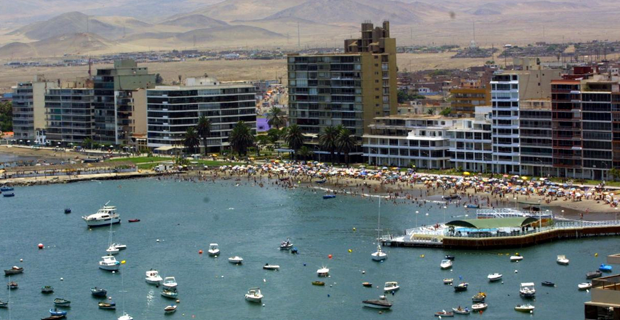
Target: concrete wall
{"points": [[139, 112]]}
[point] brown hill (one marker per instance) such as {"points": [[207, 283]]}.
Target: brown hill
{"points": [[230, 10], [76, 43], [195, 21]]}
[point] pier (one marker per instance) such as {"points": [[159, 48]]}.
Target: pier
{"points": [[442, 238]]}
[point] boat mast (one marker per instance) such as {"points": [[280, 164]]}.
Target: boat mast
{"points": [[9, 302]]}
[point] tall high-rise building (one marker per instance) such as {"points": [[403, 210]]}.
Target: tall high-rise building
{"points": [[69, 114], [29, 108], [348, 89], [114, 100]]}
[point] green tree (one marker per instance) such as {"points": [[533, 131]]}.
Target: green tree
{"points": [[445, 112], [261, 141], [305, 152], [614, 173], [6, 116], [87, 143], [204, 131], [192, 140], [241, 138], [346, 143], [276, 118], [274, 135], [294, 138], [327, 140]]}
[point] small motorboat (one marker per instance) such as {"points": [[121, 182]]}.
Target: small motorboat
{"points": [[14, 270], [479, 297], [473, 206], [67, 210], [47, 289], [214, 249], [6, 188], [8, 195], [55, 317], [527, 290], [479, 306], [286, 245], [444, 314], [584, 286], [254, 295], [99, 292], [107, 305], [153, 277], [367, 284], [445, 264], [561, 260], [449, 257], [60, 302], [448, 281], [170, 309], [112, 250], [494, 277], [235, 260], [381, 303], [323, 272], [379, 255], [170, 283], [516, 258], [170, 293], [329, 196], [525, 308], [391, 286], [268, 266], [109, 263], [12, 285], [133, 220], [605, 268], [461, 287], [4, 304], [318, 283], [56, 312], [548, 284], [460, 310], [125, 316], [594, 274]]}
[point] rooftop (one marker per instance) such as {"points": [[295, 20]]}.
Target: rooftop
{"points": [[493, 223]]}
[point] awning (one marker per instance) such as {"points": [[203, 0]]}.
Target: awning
{"points": [[167, 148], [493, 223]]}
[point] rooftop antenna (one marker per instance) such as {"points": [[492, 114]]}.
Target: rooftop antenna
{"points": [[474, 28]]}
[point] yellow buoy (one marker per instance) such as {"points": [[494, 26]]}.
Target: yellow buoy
{"points": [[354, 229], [421, 256], [596, 254]]}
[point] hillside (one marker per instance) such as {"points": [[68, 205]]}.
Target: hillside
{"points": [[195, 21], [76, 43], [231, 10]]}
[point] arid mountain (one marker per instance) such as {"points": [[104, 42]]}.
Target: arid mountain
{"points": [[195, 21], [77, 43], [230, 10]]}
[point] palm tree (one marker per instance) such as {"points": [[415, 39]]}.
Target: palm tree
{"points": [[294, 138], [345, 142], [87, 143], [261, 141], [274, 136], [305, 152], [275, 118], [192, 140], [204, 131], [327, 140], [241, 138]]}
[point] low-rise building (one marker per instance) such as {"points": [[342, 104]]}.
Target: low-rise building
{"points": [[605, 295]]}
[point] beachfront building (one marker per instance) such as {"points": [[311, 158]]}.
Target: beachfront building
{"points": [[348, 89], [508, 88], [115, 101], [471, 145], [535, 137], [29, 109], [469, 95], [69, 115], [171, 110], [419, 141]]}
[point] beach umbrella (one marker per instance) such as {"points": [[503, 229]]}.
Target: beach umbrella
{"points": [[466, 173]]}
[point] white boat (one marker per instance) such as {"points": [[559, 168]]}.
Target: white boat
{"points": [[527, 290], [153, 277], [516, 258], [323, 272], [104, 217], [170, 309], [125, 316], [445, 264], [170, 283], [379, 255], [584, 286], [448, 281], [525, 308], [109, 263], [381, 303], [286, 245], [562, 260], [254, 295], [479, 306], [271, 266], [214, 249], [112, 250], [460, 310], [494, 277], [235, 260], [391, 286], [119, 246]]}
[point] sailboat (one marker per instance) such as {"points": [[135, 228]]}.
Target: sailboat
{"points": [[125, 315], [379, 255]]}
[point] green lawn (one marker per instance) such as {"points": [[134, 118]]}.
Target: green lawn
{"points": [[138, 160]]}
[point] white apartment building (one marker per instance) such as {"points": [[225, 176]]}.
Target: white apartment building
{"points": [[471, 144], [29, 109]]}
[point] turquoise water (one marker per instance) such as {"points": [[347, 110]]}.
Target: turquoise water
{"points": [[250, 222]]}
